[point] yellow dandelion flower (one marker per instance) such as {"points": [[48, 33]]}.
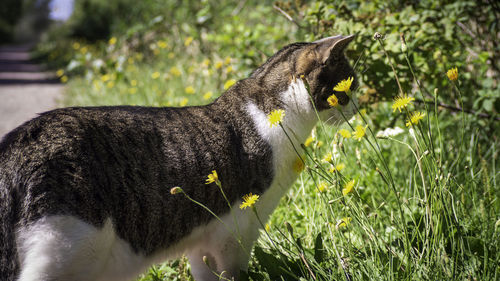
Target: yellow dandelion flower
{"points": [[227, 60], [218, 65], [112, 41], [275, 117], [319, 144], [110, 84], [213, 177], [348, 187], [344, 85], [229, 83], [60, 72], [64, 79], [76, 45], [184, 102], [362, 112], [133, 83], [298, 165], [344, 222], [155, 75], [359, 132], [452, 74], [249, 200], [162, 44], [206, 62], [105, 77], [84, 50], [207, 95], [340, 167], [308, 141], [328, 158], [322, 186], [331, 169], [401, 101], [132, 90], [333, 100], [189, 90], [415, 117], [175, 71], [229, 69], [345, 133], [188, 41]]}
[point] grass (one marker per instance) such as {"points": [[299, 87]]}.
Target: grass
{"points": [[424, 204]]}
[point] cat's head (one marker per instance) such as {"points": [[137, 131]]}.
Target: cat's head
{"points": [[322, 64]]}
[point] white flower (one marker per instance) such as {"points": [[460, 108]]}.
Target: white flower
{"points": [[389, 132]]}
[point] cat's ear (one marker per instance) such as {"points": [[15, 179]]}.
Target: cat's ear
{"points": [[331, 46]]}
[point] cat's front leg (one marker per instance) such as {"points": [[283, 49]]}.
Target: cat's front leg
{"points": [[222, 250], [219, 258]]}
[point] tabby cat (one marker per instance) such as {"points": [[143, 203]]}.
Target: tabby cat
{"points": [[85, 192]]}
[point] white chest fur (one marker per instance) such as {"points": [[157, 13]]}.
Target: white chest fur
{"points": [[284, 140]]}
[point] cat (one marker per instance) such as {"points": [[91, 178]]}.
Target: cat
{"points": [[85, 192]]}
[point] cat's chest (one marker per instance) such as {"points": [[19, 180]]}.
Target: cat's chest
{"points": [[284, 139]]}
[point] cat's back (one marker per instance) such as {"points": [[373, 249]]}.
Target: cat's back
{"points": [[78, 155], [78, 128]]}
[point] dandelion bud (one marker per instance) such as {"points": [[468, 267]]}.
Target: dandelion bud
{"points": [[377, 36], [435, 92], [289, 228], [404, 48], [205, 260], [175, 190]]}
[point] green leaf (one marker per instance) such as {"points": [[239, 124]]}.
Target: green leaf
{"points": [[319, 252], [269, 262], [488, 105]]}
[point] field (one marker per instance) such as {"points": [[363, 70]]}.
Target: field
{"points": [[408, 189]]}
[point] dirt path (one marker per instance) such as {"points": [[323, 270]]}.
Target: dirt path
{"points": [[25, 88]]}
